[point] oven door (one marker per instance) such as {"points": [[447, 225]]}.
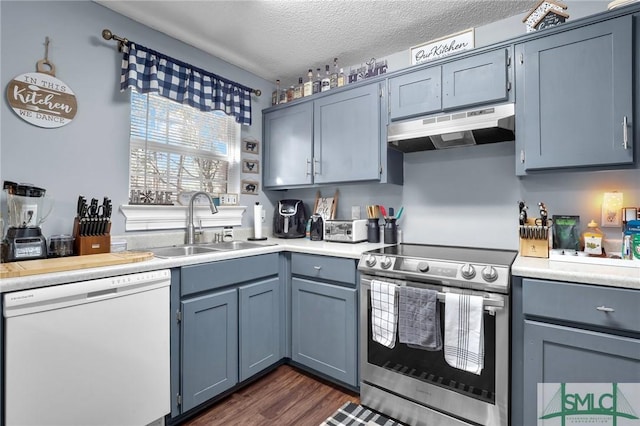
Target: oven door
{"points": [[434, 392]]}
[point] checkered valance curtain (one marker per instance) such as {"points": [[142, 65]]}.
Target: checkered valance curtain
{"points": [[149, 71]]}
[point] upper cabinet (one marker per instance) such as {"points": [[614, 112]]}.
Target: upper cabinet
{"points": [[288, 147], [346, 136], [574, 98], [476, 80], [473, 80], [335, 138], [416, 93]]}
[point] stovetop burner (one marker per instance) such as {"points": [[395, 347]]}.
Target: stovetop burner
{"points": [[466, 267]]}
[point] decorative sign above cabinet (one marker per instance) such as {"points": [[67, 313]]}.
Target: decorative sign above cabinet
{"points": [[442, 47]]}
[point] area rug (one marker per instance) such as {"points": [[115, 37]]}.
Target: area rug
{"points": [[351, 414]]}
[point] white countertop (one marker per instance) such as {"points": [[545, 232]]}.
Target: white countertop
{"points": [[529, 267], [352, 251], [601, 274]]}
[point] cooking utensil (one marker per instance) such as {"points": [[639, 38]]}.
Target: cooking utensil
{"points": [[400, 213], [384, 212]]}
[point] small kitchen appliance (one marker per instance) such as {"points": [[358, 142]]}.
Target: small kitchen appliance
{"points": [[27, 210], [346, 231], [316, 228], [290, 219]]}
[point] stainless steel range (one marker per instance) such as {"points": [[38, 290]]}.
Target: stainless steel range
{"points": [[416, 386]]}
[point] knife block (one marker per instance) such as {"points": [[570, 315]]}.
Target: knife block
{"points": [[91, 244], [534, 247]]}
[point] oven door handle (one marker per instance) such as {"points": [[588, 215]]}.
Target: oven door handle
{"points": [[491, 302]]}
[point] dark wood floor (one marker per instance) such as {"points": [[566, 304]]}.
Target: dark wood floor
{"points": [[286, 396]]}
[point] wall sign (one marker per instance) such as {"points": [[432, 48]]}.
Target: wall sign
{"points": [[42, 100], [442, 47]]}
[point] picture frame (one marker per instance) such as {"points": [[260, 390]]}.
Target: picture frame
{"points": [[250, 187], [228, 199], [251, 146], [250, 166], [326, 206]]}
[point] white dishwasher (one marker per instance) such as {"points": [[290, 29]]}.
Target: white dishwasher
{"points": [[89, 353]]}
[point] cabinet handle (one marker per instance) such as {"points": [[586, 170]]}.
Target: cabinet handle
{"points": [[317, 268], [308, 167], [625, 133], [605, 309], [316, 166]]}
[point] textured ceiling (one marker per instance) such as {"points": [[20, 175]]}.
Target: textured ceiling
{"points": [[283, 39]]}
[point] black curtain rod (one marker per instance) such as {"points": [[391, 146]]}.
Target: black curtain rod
{"points": [[108, 35]]}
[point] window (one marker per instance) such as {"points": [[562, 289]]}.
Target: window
{"points": [[178, 148]]}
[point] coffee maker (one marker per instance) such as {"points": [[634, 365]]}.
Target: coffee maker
{"points": [[26, 205]]}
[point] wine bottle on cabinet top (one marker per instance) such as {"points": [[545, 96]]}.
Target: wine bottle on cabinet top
{"points": [[297, 91], [326, 81], [308, 85], [317, 82], [333, 79]]}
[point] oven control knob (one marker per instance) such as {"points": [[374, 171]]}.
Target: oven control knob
{"points": [[489, 274], [370, 261], [468, 271], [385, 262], [423, 266]]}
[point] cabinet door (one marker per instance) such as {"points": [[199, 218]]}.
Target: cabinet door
{"points": [[476, 80], [260, 329], [574, 92], [346, 136], [323, 323], [288, 139], [414, 94], [209, 346], [557, 354]]}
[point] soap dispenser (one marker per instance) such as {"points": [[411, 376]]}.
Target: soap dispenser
{"points": [[593, 238]]}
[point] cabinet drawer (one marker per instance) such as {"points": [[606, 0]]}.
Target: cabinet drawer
{"points": [[610, 307], [208, 276], [324, 268]]}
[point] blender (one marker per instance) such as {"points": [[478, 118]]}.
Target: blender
{"points": [[26, 205]]}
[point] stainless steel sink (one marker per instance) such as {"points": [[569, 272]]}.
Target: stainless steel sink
{"points": [[203, 248], [236, 245], [185, 250]]}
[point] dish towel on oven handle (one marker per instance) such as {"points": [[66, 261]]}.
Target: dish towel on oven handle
{"points": [[464, 332], [384, 313], [419, 318]]}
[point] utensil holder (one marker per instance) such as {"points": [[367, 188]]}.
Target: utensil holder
{"points": [[390, 232], [373, 231]]}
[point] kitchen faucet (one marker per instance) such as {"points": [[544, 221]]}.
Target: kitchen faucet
{"points": [[190, 227]]}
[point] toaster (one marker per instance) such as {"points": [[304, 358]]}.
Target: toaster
{"points": [[346, 231]]}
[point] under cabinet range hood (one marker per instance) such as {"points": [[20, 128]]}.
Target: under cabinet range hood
{"points": [[463, 128]]}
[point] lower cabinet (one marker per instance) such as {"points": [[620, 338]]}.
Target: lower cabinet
{"points": [[229, 327], [209, 346], [571, 333], [324, 314]]}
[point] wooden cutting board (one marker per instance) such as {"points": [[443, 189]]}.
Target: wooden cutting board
{"points": [[61, 264]]}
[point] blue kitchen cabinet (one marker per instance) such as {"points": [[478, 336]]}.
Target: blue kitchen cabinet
{"points": [[346, 136], [229, 326], [476, 80], [324, 310], [416, 93], [260, 327], [574, 91], [333, 137], [209, 346], [570, 333], [288, 146]]}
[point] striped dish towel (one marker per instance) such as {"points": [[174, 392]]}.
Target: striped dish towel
{"points": [[384, 313], [464, 332]]}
